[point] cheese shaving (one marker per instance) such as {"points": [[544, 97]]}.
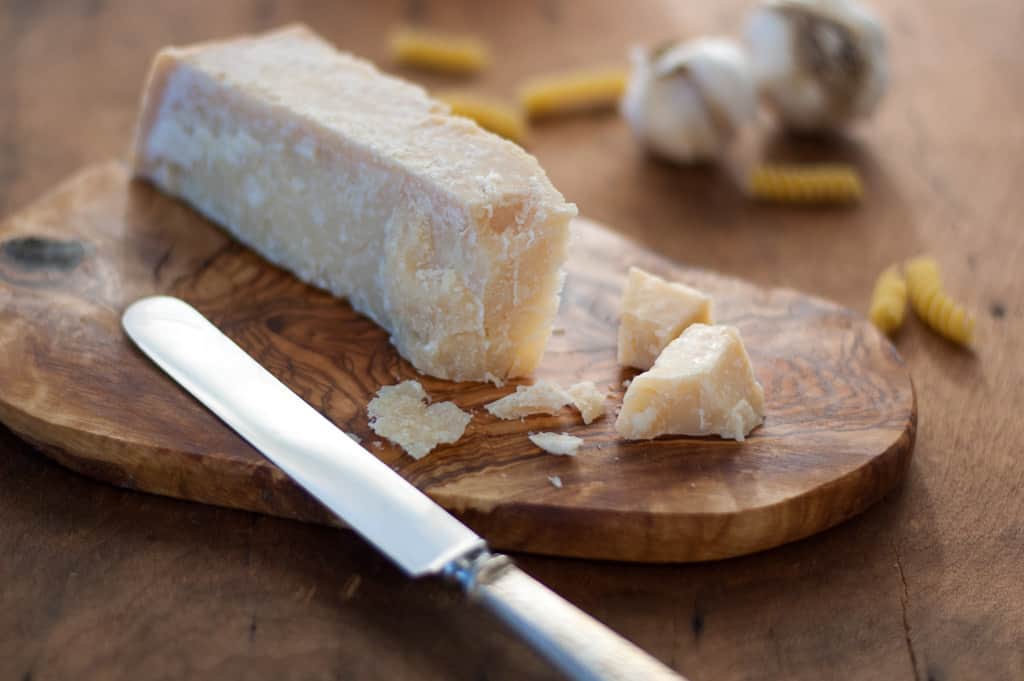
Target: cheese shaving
{"points": [[403, 414], [560, 444]]}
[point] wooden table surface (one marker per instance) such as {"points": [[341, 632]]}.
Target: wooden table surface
{"points": [[100, 583]]}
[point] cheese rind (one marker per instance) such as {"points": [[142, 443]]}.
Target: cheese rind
{"points": [[561, 444], [543, 397], [702, 384], [654, 313], [401, 414], [448, 236], [588, 400]]}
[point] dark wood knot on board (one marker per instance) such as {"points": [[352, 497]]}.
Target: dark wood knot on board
{"points": [[41, 253]]}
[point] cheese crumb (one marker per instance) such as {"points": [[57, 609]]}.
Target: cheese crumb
{"points": [[589, 400], [555, 481], [561, 444], [543, 397], [401, 414]]}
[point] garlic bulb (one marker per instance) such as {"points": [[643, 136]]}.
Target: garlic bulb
{"points": [[819, 63], [687, 101]]}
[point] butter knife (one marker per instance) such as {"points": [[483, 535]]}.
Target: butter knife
{"points": [[419, 536]]}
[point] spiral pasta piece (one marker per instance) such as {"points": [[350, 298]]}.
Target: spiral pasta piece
{"points": [[889, 301], [818, 183], [575, 91], [491, 114], [438, 52], [933, 306]]}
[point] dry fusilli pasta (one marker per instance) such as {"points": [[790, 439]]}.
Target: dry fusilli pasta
{"points": [[436, 52], [573, 91], [889, 300], [490, 114], [818, 183], [933, 306]]}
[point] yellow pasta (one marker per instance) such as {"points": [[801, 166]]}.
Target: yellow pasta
{"points": [[889, 301], [574, 91], [491, 114], [437, 52], [933, 306], [816, 183]]}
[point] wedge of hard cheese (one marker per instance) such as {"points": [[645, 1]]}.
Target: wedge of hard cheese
{"points": [[448, 236], [701, 384], [654, 313]]}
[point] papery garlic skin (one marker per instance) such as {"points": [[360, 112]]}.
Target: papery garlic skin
{"points": [[686, 102], [820, 64]]}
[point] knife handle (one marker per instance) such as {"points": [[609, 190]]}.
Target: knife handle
{"points": [[576, 644]]}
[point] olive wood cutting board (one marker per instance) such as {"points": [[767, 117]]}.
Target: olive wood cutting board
{"points": [[838, 434]]}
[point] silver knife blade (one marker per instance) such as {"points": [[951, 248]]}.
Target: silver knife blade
{"points": [[405, 524]]}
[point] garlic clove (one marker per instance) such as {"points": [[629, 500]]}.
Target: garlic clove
{"points": [[819, 63], [686, 102]]}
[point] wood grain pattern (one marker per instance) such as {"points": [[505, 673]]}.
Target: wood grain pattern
{"points": [[840, 414]]}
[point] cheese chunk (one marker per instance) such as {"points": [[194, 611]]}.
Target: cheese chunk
{"points": [[654, 313], [448, 236], [543, 397], [561, 444], [702, 384], [588, 400], [401, 414]]}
